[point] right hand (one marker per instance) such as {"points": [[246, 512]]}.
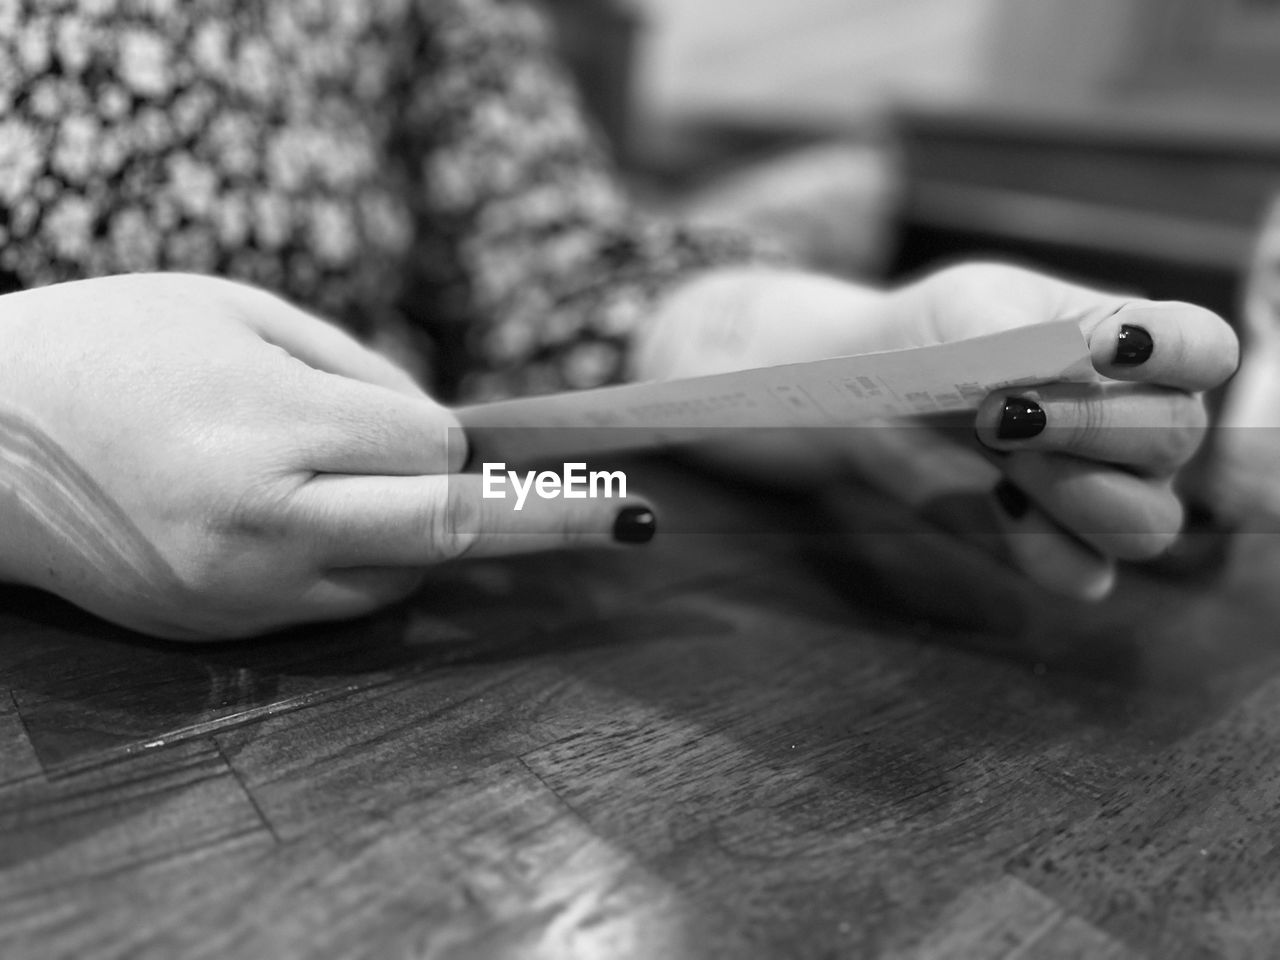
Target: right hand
{"points": [[1091, 485], [197, 459]]}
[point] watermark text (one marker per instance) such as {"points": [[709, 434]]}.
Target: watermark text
{"points": [[574, 482]]}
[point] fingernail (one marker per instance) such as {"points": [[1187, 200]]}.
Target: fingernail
{"points": [[1020, 420], [1133, 346], [635, 525], [1011, 498]]}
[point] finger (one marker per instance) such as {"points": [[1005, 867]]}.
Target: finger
{"points": [[320, 344], [1149, 429], [1116, 513], [418, 521], [973, 299], [1045, 553], [942, 476], [934, 472], [1174, 344], [348, 426]]}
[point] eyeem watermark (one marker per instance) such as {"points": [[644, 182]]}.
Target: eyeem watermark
{"points": [[573, 483]]}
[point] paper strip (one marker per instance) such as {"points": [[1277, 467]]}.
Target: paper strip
{"points": [[842, 391]]}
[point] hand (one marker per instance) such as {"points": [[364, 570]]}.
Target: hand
{"points": [[1093, 485], [1088, 476], [198, 459]]}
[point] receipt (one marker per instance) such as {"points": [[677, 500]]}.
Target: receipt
{"points": [[841, 391]]}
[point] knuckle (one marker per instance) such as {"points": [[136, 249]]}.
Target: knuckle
{"points": [[1228, 359], [1171, 446], [1161, 525], [1170, 449], [1164, 438], [1141, 546], [1088, 422], [260, 511], [1193, 413]]}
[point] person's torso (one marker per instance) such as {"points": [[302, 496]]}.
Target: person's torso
{"points": [[252, 139]]}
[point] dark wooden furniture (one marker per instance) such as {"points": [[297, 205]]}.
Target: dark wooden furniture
{"points": [[1166, 204], [777, 743]]}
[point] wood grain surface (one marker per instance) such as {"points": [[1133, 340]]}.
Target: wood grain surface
{"points": [[729, 744]]}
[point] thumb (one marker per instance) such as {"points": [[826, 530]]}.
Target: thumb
{"points": [[976, 299]]}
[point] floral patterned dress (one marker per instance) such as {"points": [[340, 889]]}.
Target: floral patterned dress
{"points": [[414, 169]]}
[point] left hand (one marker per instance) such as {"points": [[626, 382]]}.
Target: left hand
{"points": [[1089, 483], [197, 459]]}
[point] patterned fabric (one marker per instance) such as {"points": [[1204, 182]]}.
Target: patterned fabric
{"points": [[395, 165]]}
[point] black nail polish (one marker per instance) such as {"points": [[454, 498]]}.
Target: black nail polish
{"points": [[1012, 499], [635, 525], [1020, 420], [1133, 346]]}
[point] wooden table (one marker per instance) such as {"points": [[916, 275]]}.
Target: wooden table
{"points": [[729, 744]]}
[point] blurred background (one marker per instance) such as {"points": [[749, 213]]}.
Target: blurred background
{"points": [[1133, 143]]}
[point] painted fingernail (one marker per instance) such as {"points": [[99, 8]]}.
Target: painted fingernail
{"points": [[1133, 346], [635, 525], [1020, 420], [1011, 498]]}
